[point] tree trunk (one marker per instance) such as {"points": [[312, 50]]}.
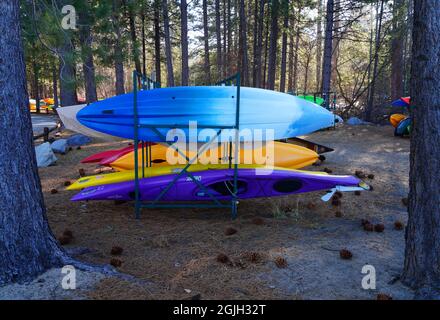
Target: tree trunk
{"points": [[157, 40], [319, 46], [244, 65], [266, 51], [284, 46], [273, 45], [397, 51], [422, 251], [118, 54], [258, 42], [55, 86], [67, 75], [87, 57], [229, 36], [295, 57], [184, 41], [369, 109], [336, 38], [144, 54], [36, 84], [207, 65], [135, 49], [225, 40], [218, 38], [168, 52], [27, 246], [327, 61]]}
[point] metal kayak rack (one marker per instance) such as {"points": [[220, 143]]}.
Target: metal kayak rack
{"points": [[142, 82]]}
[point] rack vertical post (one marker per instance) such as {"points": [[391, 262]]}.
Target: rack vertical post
{"points": [[141, 82]]}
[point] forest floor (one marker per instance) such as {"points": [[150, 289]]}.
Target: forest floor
{"points": [[284, 248]]}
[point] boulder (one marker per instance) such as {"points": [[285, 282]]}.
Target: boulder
{"points": [[45, 155]]}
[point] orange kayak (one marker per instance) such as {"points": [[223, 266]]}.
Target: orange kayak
{"points": [[285, 155], [396, 118]]}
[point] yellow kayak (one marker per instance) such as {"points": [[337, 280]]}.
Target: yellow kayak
{"points": [[396, 118], [285, 155], [128, 175]]}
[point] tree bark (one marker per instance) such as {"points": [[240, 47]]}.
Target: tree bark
{"points": [[319, 46], [295, 57], [144, 53], [422, 250], [55, 86], [87, 57], [218, 38], [67, 75], [184, 41], [207, 65], [328, 47], [157, 40], [117, 51], [284, 46], [225, 40], [27, 245], [370, 105], [135, 49], [273, 45], [168, 52], [258, 42], [397, 51], [266, 50], [229, 36], [36, 85], [244, 64]]}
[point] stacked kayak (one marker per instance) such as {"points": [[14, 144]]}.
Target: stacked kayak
{"points": [[252, 183], [211, 108], [284, 155], [165, 114], [401, 122]]}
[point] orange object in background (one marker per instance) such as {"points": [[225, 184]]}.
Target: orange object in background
{"points": [[396, 118]]}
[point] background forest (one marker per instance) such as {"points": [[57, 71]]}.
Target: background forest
{"points": [[358, 49]]}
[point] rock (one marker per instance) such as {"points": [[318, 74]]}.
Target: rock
{"points": [[45, 155], [78, 140], [60, 146]]}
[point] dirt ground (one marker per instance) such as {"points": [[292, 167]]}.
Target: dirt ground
{"points": [[284, 248]]}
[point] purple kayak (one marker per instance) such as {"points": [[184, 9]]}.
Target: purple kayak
{"points": [[251, 184]]}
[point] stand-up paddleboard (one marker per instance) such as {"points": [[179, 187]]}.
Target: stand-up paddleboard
{"points": [[128, 175], [211, 107], [284, 155], [252, 183]]}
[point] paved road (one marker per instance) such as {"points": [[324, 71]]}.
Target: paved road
{"points": [[41, 121]]}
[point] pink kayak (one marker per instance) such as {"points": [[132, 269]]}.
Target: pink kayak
{"points": [[106, 157]]}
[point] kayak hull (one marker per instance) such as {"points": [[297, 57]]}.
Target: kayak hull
{"points": [[285, 155], [252, 183], [210, 107], [128, 175], [396, 118]]}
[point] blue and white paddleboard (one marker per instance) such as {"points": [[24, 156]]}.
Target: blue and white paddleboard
{"points": [[211, 107]]}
